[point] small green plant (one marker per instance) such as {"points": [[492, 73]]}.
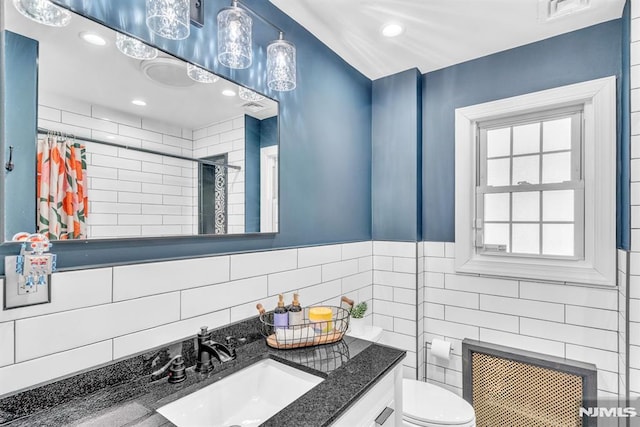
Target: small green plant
{"points": [[358, 311]]}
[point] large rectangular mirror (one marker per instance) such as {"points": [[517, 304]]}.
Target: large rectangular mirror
{"points": [[108, 146]]}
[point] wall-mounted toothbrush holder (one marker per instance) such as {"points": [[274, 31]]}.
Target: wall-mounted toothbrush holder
{"points": [[28, 275]]}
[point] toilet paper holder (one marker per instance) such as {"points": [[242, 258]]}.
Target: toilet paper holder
{"points": [[441, 348]]}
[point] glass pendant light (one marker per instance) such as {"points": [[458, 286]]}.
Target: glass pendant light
{"points": [[135, 48], [201, 75], [43, 12], [281, 65], [249, 95], [169, 18], [234, 37]]}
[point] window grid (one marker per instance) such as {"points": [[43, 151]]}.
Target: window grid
{"points": [[574, 184]]}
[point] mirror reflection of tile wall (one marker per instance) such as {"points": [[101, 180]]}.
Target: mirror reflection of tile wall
{"points": [[136, 194], [227, 137]]}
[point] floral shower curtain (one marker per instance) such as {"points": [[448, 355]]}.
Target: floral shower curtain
{"points": [[61, 194]]}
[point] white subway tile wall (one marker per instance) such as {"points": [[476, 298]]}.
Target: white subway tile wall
{"points": [[394, 299], [633, 316], [125, 187], [100, 315], [623, 356], [575, 322], [6, 336], [226, 138], [423, 307], [134, 194]]}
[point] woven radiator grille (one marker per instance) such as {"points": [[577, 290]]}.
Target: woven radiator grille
{"points": [[514, 394]]}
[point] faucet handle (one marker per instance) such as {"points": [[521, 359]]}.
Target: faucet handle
{"points": [[204, 334], [234, 342], [177, 370]]}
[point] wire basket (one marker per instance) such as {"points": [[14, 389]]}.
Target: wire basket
{"points": [[308, 333]]}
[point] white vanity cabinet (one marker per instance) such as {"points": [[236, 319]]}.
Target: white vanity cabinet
{"points": [[371, 409]]}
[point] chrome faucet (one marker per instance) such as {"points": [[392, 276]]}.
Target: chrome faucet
{"points": [[207, 348]]}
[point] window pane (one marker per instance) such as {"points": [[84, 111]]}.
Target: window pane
{"points": [[496, 207], [499, 142], [558, 205], [496, 234], [526, 238], [555, 167], [526, 139], [556, 134], [526, 170], [557, 239], [498, 172], [526, 206]]}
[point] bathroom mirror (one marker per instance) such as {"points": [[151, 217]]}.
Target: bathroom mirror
{"points": [[148, 151]]}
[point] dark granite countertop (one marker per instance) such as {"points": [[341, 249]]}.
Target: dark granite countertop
{"points": [[122, 394]]}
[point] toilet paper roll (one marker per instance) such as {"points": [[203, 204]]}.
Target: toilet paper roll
{"points": [[441, 349]]}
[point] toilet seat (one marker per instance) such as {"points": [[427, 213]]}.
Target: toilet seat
{"points": [[426, 404]]}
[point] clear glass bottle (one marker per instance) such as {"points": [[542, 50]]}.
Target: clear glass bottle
{"points": [[295, 312]]}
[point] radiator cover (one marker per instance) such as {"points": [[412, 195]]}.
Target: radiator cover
{"points": [[515, 388]]}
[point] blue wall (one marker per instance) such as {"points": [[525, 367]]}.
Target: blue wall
{"points": [[269, 132], [587, 54], [396, 144], [325, 141], [20, 123]]}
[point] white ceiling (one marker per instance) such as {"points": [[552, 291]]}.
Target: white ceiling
{"points": [[438, 33], [101, 75]]}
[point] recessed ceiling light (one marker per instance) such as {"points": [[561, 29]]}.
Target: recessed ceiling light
{"points": [[111, 137], [392, 29], [228, 92], [139, 102], [93, 38]]}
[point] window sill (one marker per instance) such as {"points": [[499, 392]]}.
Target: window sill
{"points": [[563, 271]]}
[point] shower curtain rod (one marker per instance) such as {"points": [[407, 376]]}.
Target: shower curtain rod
{"points": [[44, 131]]}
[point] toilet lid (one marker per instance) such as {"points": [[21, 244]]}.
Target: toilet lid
{"points": [[427, 403]]}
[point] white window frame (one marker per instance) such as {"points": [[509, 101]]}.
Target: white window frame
{"points": [[575, 184], [598, 267]]}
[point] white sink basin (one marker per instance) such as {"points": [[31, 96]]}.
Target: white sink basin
{"points": [[246, 398]]}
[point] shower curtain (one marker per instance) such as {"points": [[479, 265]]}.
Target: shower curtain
{"points": [[62, 202]]}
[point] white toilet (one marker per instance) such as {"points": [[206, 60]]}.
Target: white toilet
{"points": [[424, 404], [427, 405]]}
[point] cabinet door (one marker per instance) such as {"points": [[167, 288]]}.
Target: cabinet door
{"points": [[386, 394]]}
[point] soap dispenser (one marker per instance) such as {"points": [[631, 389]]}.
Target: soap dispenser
{"points": [[295, 312], [280, 314]]}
